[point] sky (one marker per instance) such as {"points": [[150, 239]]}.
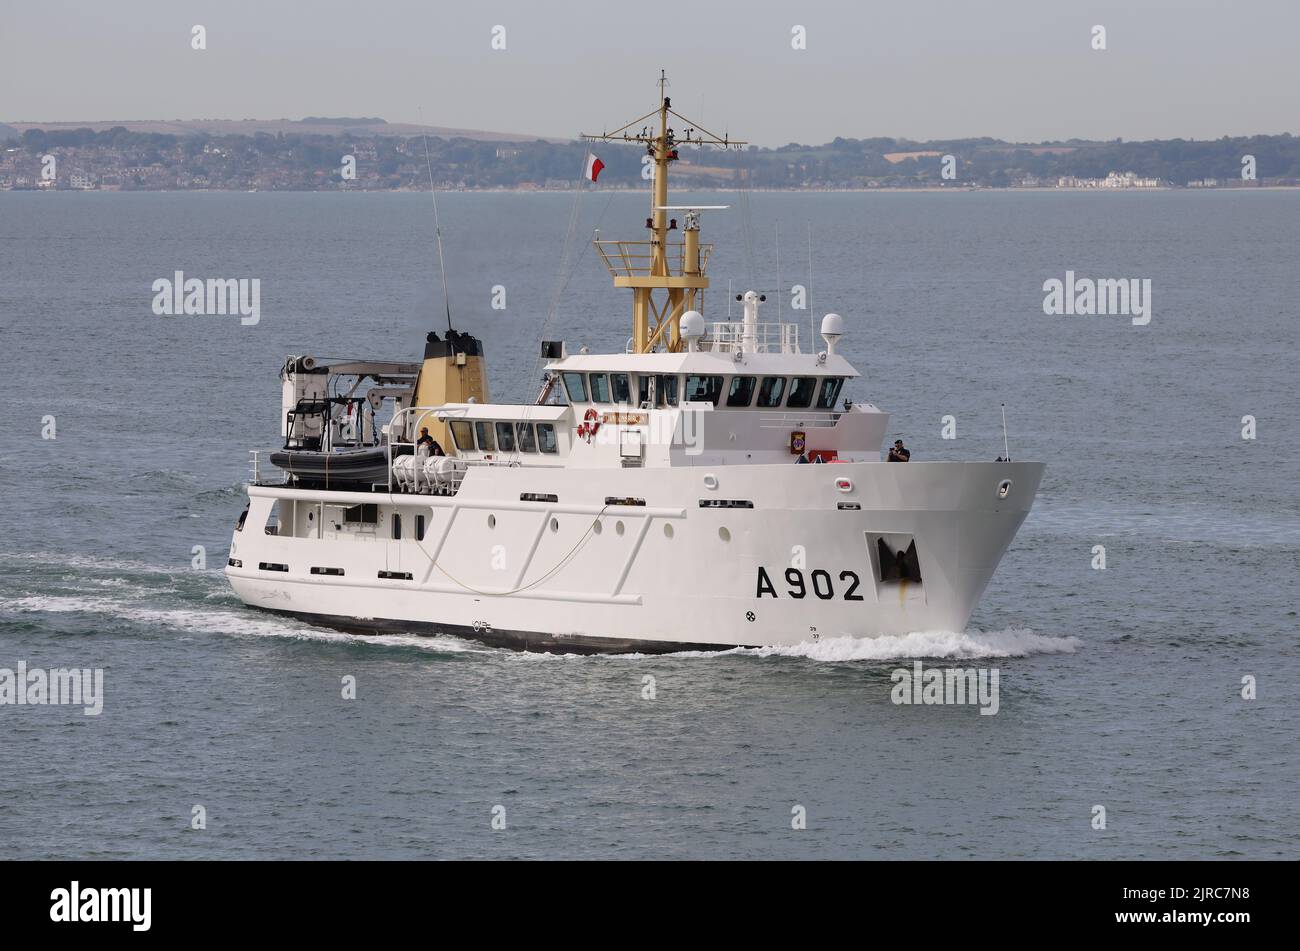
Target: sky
{"points": [[1020, 70]]}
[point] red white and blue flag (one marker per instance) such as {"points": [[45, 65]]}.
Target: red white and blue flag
{"points": [[594, 166]]}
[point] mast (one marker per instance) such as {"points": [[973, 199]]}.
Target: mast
{"points": [[659, 264]]}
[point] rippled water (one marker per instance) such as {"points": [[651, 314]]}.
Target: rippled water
{"points": [[1118, 687]]}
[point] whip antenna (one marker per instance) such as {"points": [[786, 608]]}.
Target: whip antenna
{"points": [[437, 228], [778, 272], [811, 327], [1005, 447]]}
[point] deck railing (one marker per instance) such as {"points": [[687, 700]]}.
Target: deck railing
{"points": [[421, 482], [728, 336], [635, 258]]}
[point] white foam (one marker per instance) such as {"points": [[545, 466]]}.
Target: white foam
{"points": [[965, 645], [99, 563], [969, 645], [53, 604], [238, 622]]}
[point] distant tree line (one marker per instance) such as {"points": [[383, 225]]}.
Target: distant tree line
{"points": [[313, 161]]}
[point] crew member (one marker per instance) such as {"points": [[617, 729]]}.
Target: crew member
{"points": [[899, 452], [427, 445]]}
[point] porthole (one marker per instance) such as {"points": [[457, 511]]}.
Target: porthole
{"points": [[710, 481], [618, 527], [596, 528], [492, 521], [668, 531], [724, 534], [1004, 488], [555, 524]]}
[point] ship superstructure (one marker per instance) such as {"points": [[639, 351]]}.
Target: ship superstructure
{"points": [[710, 486]]}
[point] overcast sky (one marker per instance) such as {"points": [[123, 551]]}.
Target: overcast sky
{"points": [[1013, 69]]}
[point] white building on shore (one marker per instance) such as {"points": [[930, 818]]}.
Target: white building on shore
{"points": [[1113, 180]]}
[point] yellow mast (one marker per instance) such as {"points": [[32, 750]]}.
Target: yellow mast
{"points": [[648, 266]]}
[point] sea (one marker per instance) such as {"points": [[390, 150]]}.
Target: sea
{"points": [[1143, 625]]}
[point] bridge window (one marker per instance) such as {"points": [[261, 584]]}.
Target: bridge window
{"points": [[667, 389], [742, 390], [599, 388], [665, 386], [485, 441], [770, 393], [801, 392], [577, 389], [527, 442], [702, 389], [506, 437], [546, 437], [463, 433], [620, 388], [830, 392]]}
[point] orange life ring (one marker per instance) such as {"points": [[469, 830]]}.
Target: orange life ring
{"points": [[590, 423]]}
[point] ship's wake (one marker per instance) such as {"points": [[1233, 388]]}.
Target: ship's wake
{"points": [[200, 603], [948, 645]]}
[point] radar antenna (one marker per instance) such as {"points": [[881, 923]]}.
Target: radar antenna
{"points": [[655, 265]]}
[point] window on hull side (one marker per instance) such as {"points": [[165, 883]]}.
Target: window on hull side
{"points": [[741, 392], [770, 393]]}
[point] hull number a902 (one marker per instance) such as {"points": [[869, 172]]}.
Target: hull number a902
{"points": [[818, 583]]}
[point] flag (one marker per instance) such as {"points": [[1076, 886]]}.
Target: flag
{"points": [[594, 165]]}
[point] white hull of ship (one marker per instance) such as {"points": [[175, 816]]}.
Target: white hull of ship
{"points": [[666, 575]]}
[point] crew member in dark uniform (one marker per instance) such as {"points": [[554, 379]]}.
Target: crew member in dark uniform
{"points": [[428, 441], [899, 452]]}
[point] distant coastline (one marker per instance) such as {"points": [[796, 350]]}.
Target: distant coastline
{"points": [[366, 154], [709, 189]]}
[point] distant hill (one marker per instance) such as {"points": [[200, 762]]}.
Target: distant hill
{"points": [[364, 153], [323, 120], [313, 125]]}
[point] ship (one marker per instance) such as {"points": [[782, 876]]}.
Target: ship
{"points": [[712, 486]]}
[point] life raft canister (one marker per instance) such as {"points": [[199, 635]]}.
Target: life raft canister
{"points": [[590, 423]]}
